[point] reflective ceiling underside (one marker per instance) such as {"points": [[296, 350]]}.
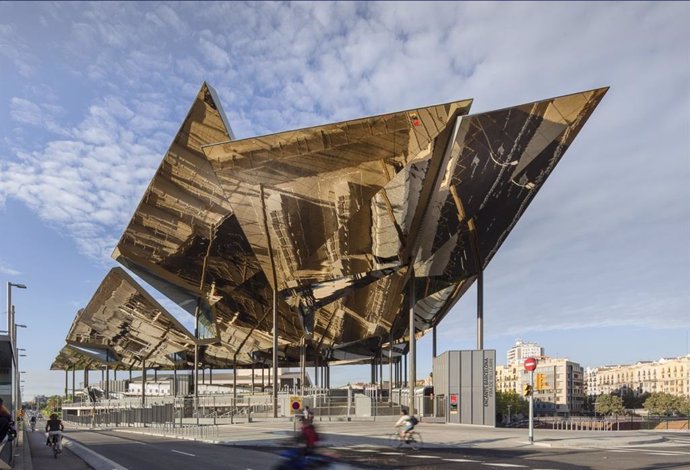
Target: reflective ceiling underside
{"points": [[341, 219], [124, 326]]}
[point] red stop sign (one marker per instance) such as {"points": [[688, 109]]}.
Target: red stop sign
{"points": [[530, 364]]}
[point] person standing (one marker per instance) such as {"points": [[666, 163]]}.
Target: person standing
{"points": [[5, 421]]}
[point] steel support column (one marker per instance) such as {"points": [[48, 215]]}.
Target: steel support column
{"points": [[74, 371], [274, 391], [143, 383], [390, 371], [433, 341], [66, 382], [413, 341], [480, 310], [404, 376]]}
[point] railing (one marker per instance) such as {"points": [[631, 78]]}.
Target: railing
{"points": [[620, 423], [180, 412]]}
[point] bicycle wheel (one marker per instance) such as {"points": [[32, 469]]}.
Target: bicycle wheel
{"points": [[415, 440], [395, 441]]}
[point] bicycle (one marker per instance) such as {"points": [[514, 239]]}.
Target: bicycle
{"points": [[412, 439], [55, 445]]}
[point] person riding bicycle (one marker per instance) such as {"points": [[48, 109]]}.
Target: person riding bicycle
{"points": [[308, 434], [32, 422], [54, 428], [406, 422]]}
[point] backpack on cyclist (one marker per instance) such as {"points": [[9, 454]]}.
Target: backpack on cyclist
{"points": [[414, 421]]}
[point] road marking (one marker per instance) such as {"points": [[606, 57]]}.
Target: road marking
{"points": [[674, 452], [620, 450], [183, 453], [363, 450], [512, 465], [392, 453], [424, 456], [667, 454], [460, 460]]}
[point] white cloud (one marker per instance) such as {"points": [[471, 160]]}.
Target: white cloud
{"points": [[614, 213], [5, 269]]}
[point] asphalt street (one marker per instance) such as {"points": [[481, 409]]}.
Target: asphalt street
{"points": [[145, 451]]}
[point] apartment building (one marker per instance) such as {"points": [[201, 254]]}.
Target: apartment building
{"points": [[558, 385], [522, 350], [669, 375]]}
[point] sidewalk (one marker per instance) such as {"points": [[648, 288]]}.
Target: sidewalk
{"points": [[22, 453]]}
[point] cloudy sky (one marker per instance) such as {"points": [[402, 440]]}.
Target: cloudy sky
{"points": [[598, 269]]}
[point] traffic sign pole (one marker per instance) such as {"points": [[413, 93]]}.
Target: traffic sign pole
{"points": [[531, 408], [530, 365]]}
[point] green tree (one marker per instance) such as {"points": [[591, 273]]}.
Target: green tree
{"points": [[609, 405], [53, 404], [630, 398], [516, 402], [684, 406], [661, 403], [588, 403]]}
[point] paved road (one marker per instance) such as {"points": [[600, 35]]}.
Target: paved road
{"points": [[489, 449], [669, 457], [146, 452], [42, 455]]}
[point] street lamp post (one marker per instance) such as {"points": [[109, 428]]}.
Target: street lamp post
{"points": [[17, 391], [11, 330]]}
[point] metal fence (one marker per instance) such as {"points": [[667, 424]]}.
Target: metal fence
{"points": [[212, 410], [620, 423]]}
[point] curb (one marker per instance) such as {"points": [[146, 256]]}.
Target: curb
{"points": [[93, 459]]}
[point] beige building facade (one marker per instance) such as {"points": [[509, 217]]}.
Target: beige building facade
{"points": [[669, 375], [558, 385]]}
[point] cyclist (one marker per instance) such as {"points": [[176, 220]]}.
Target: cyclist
{"points": [[406, 423], [32, 421], [54, 427], [308, 434]]}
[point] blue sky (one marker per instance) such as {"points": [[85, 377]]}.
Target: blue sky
{"points": [[597, 270]]}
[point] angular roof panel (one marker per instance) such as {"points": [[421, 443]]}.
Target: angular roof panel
{"points": [[124, 319], [336, 216]]}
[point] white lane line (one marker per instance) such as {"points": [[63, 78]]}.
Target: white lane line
{"points": [[511, 465], [667, 454], [424, 456], [183, 453], [363, 450], [392, 453], [459, 460], [674, 452], [620, 450]]}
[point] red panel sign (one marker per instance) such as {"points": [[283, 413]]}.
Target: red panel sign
{"points": [[530, 364]]}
